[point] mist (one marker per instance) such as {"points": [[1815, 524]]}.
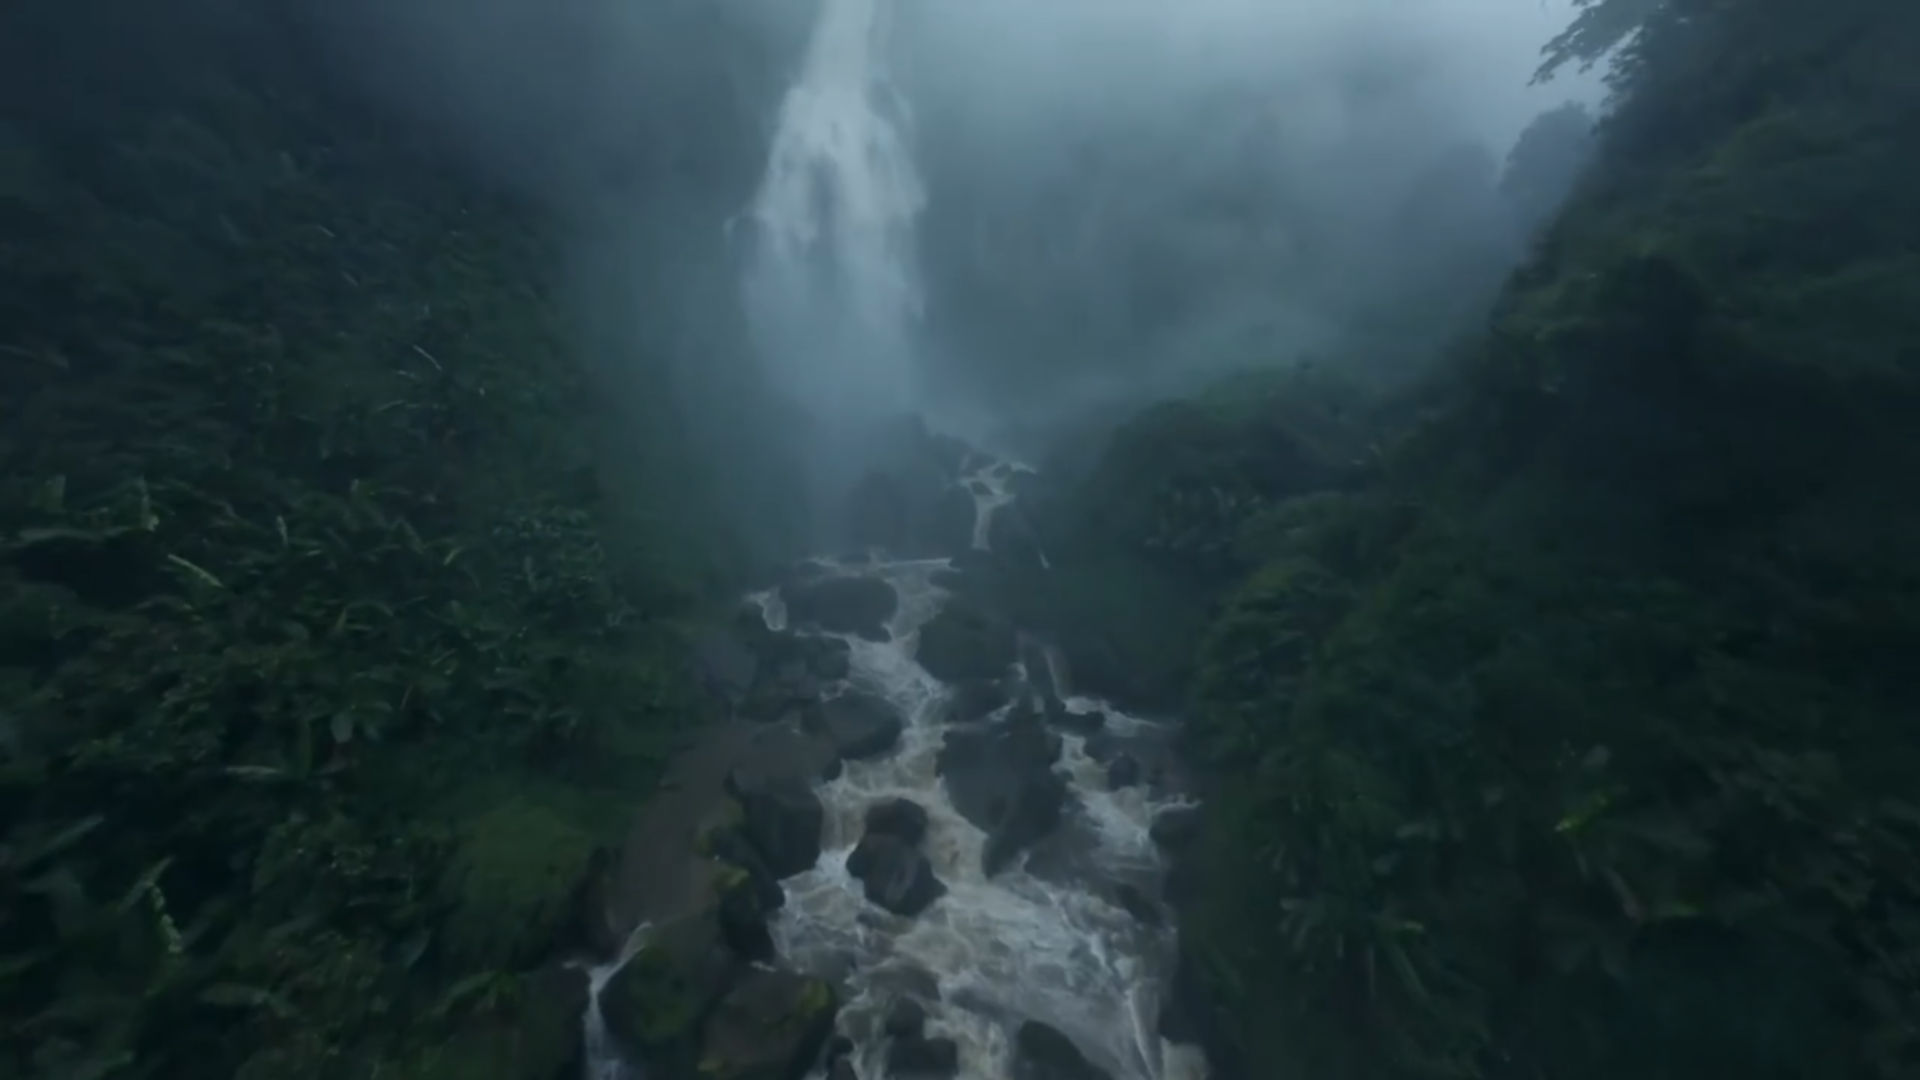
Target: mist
{"points": [[996, 215]]}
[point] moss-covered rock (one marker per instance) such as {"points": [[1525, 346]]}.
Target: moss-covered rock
{"points": [[771, 1026], [513, 884], [658, 999]]}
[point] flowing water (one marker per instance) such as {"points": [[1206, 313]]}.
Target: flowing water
{"points": [[1043, 940], [833, 296], [832, 287]]}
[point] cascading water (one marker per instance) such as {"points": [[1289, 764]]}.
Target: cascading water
{"points": [[832, 286], [1065, 938], [1042, 940]]}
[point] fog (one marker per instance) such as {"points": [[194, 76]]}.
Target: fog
{"points": [[999, 213]]}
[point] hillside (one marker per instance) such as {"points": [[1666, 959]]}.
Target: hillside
{"points": [[1574, 740]]}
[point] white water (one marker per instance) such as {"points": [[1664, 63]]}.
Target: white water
{"points": [[1015, 947], [833, 288]]}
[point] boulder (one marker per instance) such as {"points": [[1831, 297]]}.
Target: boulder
{"points": [[842, 605], [1002, 779], [827, 657], [905, 1019], [894, 874], [843, 1069], [1132, 900], [922, 1058], [902, 818], [1176, 828], [657, 1001], [1123, 771], [786, 691], [1041, 1052], [782, 817], [966, 642], [1013, 539], [728, 667], [771, 1025], [860, 725]]}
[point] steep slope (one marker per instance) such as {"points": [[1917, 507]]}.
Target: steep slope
{"points": [[1580, 744], [325, 678]]}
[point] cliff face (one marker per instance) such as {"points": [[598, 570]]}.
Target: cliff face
{"points": [[1572, 742], [330, 655]]}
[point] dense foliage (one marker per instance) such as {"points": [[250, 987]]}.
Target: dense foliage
{"points": [[324, 682], [1580, 743]]}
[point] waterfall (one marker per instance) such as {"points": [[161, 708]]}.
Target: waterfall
{"points": [[832, 289]]}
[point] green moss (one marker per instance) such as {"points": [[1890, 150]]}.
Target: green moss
{"points": [[511, 885]]}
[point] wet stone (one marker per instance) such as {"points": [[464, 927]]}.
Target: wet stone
{"points": [[919, 1058], [902, 818]]}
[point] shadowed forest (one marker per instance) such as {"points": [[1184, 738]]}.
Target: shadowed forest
{"points": [[1543, 645]]}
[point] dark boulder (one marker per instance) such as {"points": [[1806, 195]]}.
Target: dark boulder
{"points": [[905, 1019], [1175, 829], [902, 818], [771, 1025], [784, 692], [1123, 771], [921, 1058], [842, 605], [1041, 1052], [965, 642], [1135, 902], [783, 817], [656, 1002], [894, 874], [728, 667], [827, 657], [1002, 779], [859, 724]]}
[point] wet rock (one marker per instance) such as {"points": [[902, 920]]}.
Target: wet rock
{"points": [[905, 1019], [843, 605], [860, 725], [783, 817], [1123, 771], [827, 657], [1176, 828], [728, 668], [1013, 538], [1104, 746], [655, 1004], [786, 692], [1041, 1052], [975, 699], [1002, 779], [894, 874], [965, 642], [843, 1070], [902, 818], [771, 1025], [922, 1058], [1137, 903]]}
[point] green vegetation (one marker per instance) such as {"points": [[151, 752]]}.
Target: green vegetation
{"points": [[324, 684], [1578, 741]]}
